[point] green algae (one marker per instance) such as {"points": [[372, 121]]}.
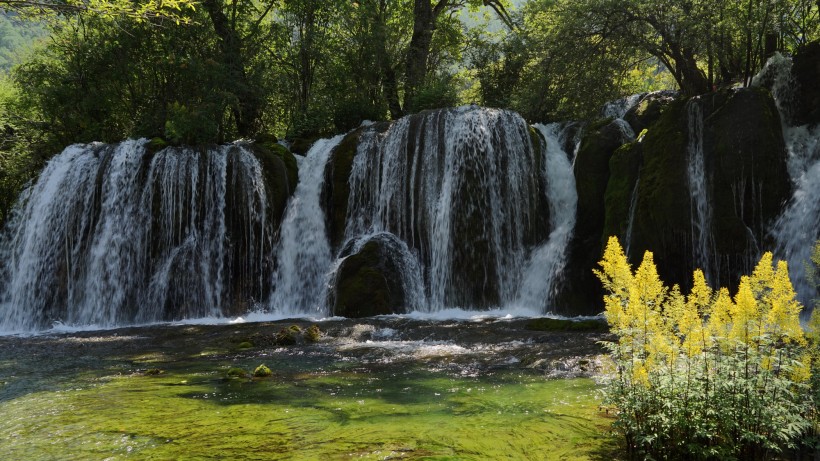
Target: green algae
{"points": [[364, 414], [93, 396]]}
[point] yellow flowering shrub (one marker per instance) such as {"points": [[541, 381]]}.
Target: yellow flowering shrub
{"points": [[706, 375]]}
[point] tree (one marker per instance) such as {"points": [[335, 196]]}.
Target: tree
{"points": [[143, 10], [426, 16]]}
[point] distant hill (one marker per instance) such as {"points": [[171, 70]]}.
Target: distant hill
{"points": [[15, 37]]}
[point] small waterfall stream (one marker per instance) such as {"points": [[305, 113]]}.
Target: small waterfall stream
{"points": [[700, 209], [547, 261], [633, 204], [304, 254]]}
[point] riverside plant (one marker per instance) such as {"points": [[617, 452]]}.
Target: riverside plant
{"points": [[707, 376]]}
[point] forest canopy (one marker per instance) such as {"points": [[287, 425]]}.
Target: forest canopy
{"points": [[216, 70]]}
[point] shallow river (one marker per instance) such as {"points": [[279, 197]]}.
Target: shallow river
{"points": [[383, 388]]}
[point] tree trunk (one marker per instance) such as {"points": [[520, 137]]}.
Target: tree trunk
{"points": [[423, 26], [388, 73], [306, 59], [247, 108], [690, 78]]}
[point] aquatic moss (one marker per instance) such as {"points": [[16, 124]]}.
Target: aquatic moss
{"points": [[370, 415], [312, 334], [262, 371], [235, 372], [286, 337]]}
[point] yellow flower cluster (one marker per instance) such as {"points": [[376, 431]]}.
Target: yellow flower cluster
{"points": [[660, 327]]}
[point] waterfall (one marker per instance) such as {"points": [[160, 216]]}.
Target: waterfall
{"points": [[798, 227], [633, 203], [303, 253], [547, 261], [700, 210], [461, 188], [111, 235]]}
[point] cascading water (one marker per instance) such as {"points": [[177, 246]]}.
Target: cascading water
{"points": [[547, 261], [701, 212], [633, 204], [461, 188], [116, 234], [303, 253], [798, 228]]}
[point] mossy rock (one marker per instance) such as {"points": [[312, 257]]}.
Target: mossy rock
{"points": [[287, 337], [806, 73], [750, 180], [662, 221], [581, 293], [235, 372], [312, 334], [154, 372], [281, 175], [369, 281], [287, 157], [624, 166], [746, 176], [649, 109], [549, 324], [337, 187], [245, 345], [262, 371], [301, 146]]}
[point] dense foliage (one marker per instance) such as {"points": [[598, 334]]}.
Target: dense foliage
{"points": [[707, 376], [215, 70]]}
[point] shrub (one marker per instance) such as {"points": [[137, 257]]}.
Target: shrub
{"points": [[706, 376]]}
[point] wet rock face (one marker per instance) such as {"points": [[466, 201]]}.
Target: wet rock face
{"points": [[649, 109], [581, 292], [746, 184], [806, 73], [750, 179], [369, 280], [624, 167]]}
